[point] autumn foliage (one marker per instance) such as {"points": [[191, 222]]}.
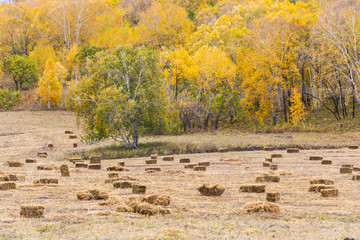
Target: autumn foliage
{"points": [[217, 62]]}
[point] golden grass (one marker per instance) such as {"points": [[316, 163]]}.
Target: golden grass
{"points": [[304, 215]]}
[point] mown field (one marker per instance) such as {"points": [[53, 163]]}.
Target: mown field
{"points": [[304, 215]]}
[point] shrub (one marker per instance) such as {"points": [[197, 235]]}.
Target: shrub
{"points": [[9, 99]]}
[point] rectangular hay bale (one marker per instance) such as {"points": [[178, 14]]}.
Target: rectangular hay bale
{"points": [[184, 160], [32, 211], [198, 168], [7, 186], [329, 192], [292, 150], [94, 166], [168, 158], [151, 161], [252, 188]]}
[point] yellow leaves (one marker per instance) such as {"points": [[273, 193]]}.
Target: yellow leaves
{"points": [[164, 24], [297, 108], [214, 68], [177, 65], [41, 54], [49, 87], [71, 56]]}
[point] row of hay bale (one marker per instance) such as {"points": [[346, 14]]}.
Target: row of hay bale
{"points": [[323, 186], [201, 166]]}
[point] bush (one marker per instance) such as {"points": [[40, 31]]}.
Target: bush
{"points": [[9, 99]]}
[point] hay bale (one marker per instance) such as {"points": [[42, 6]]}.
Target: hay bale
{"points": [[154, 156], [42, 154], [64, 169], [163, 200], [204, 164], [315, 158], [223, 150], [356, 177], [347, 166], [15, 164], [266, 164], [252, 188], [322, 181], [124, 208], [123, 184], [7, 186], [94, 166], [215, 190], [84, 195], [184, 160], [273, 166], [152, 169], [356, 169], [50, 145], [276, 155], [75, 145], [121, 164], [81, 165], [329, 192], [68, 132], [74, 159], [353, 147], [292, 150], [261, 207], [118, 169], [326, 162], [268, 160], [198, 168], [273, 196], [147, 209], [72, 136], [46, 181], [30, 161], [32, 211], [113, 175], [268, 149], [317, 187], [267, 178], [98, 194], [344, 170], [8, 177], [168, 159], [151, 161], [95, 161], [138, 189], [190, 165], [45, 167]]}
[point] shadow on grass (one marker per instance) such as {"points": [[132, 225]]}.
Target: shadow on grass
{"points": [[146, 149], [118, 150]]}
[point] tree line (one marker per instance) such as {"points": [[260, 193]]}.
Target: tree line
{"points": [[178, 64]]}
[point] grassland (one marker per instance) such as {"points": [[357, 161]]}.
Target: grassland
{"points": [[304, 215]]}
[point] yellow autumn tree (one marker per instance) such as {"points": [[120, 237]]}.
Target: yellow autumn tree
{"points": [[49, 87], [215, 75], [177, 67], [297, 108], [164, 24]]}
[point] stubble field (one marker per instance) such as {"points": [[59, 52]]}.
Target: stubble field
{"points": [[304, 215]]}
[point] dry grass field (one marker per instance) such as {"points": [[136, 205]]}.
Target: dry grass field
{"points": [[304, 215]]}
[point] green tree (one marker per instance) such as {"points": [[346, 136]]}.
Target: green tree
{"points": [[21, 69], [122, 96]]}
